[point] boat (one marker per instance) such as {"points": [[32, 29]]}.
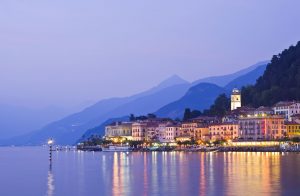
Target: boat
{"points": [[212, 149], [153, 148], [113, 148]]}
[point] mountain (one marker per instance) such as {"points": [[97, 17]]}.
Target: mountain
{"points": [[199, 97], [246, 79], [27, 119], [176, 108], [225, 79], [169, 98], [280, 81], [202, 95], [70, 128], [100, 130]]}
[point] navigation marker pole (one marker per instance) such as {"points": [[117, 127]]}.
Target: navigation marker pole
{"points": [[50, 143]]}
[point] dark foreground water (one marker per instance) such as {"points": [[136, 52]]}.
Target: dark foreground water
{"points": [[26, 171]]}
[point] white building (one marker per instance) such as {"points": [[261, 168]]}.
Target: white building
{"points": [[119, 129], [287, 108], [171, 132], [236, 101]]}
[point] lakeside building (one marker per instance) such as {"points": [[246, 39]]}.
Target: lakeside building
{"points": [[233, 115], [139, 131], [170, 133], [227, 131], [197, 128], [293, 129], [188, 129], [236, 99], [287, 108], [261, 127], [241, 122], [201, 133], [151, 131], [119, 130]]}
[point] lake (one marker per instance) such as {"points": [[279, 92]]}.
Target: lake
{"points": [[26, 171]]}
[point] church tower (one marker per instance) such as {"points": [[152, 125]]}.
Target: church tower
{"points": [[236, 101]]}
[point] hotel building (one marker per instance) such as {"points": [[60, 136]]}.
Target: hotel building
{"points": [[227, 131], [119, 130], [261, 127]]}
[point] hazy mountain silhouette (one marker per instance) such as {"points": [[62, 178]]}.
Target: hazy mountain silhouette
{"points": [[246, 79], [225, 79], [169, 99], [199, 97], [70, 128], [16, 120]]}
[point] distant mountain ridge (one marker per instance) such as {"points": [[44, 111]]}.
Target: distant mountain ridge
{"points": [[199, 96], [168, 98], [246, 79], [225, 79], [71, 128]]}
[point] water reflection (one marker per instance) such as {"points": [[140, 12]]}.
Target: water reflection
{"points": [[235, 173], [50, 182]]}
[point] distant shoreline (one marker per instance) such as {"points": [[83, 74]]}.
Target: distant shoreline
{"points": [[215, 149]]}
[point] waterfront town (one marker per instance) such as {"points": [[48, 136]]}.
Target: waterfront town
{"points": [[241, 125]]}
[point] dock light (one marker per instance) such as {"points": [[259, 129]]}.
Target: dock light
{"points": [[50, 141]]}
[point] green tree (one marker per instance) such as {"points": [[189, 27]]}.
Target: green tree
{"points": [[280, 81], [220, 106]]}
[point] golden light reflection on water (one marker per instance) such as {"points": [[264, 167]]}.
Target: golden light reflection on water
{"points": [[231, 173], [121, 174], [258, 172]]}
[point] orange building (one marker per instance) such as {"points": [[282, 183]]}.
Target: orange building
{"points": [[188, 129], [201, 133], [227, 131]]}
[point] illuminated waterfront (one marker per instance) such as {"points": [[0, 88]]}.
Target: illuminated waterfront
{"points": [[26, 170]]}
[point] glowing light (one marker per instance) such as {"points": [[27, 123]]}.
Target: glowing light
{"points": [[50, 141]]}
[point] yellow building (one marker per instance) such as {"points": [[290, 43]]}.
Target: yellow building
{"points": [[201, 133], [293, 129]]}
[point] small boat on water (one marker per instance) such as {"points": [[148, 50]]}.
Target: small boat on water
{"points": [[212, 149], [113, 148]]}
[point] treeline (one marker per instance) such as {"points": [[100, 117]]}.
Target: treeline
{"points": [[219, 108], [280, 81], [132, 117]]}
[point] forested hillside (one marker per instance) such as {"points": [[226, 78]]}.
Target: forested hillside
{"points": [[280, 81]]}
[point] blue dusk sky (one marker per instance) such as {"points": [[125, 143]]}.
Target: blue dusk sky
{"points": [[67, 52]]}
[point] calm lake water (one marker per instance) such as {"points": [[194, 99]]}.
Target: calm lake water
{"points": [[26, 171]]}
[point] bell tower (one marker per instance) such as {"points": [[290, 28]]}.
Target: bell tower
{"points": [[236, 101]]}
